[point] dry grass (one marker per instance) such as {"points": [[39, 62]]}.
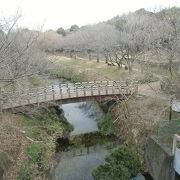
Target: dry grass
{"points": [[141, 114], [93, 70], [137, 120], [12, 142]]}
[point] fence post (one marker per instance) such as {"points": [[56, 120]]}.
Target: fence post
{"points": [[53, 92], [128, 90], [113, 88], [60, 91], [68, 91], [19, 97], [136, 84], [84, 90], [170, 108], [37, 97], [1, 104], [106, 89], [91, 90], [99, 89], [76, 92], [45, 93], [28, 98], [120, 88]]}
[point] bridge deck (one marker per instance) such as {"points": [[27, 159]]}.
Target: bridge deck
{"points": [[68, 91]]}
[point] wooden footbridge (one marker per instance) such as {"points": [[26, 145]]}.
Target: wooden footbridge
{"points": [[67, 93]]}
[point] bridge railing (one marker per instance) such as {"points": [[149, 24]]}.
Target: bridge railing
{"points": [[66, 91]]}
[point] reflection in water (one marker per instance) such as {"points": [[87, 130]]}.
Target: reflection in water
{"points": [[77, 163], [82, 116], [79, 167]]}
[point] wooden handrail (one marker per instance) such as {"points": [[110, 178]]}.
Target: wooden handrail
{"points": [[67, 91]]}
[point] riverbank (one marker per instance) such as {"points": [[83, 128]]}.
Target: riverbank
{"points": [[42, 130], [28, 143]]}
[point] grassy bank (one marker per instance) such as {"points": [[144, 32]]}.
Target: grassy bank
{"points": [[68, 74], [91, 69], [42, 130]]}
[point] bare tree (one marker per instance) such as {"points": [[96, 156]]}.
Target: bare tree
{"points": [[20, 54], [167, 36], [92, 39]]}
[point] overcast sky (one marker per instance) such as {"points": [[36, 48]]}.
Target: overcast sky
{"points": [[63, 13]]}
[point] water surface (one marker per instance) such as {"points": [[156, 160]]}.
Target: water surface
{"points": [[78, 163], [83, 116]]}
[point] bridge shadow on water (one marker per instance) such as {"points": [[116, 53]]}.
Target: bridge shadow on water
{"points": [[80, 154], [86, 143]]}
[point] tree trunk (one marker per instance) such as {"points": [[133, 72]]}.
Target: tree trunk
{"points": [[121, 65], [142, 68], [1, 105], [90, 57], [97, 58], [106, 58], [130, 68], [170, 68]]}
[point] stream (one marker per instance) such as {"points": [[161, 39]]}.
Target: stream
{"points": [[89, 147], [85, 148]]}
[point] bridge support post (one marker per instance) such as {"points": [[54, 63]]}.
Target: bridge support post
{"points": [[68, 90], [60, 91], [1, 104], [84, 90], [99, 92], [28, 97], [106, 89], [12, 107], [113, 88], [76, 92], [91, 90], [45, 94], [19, 94], [53, 92], [37, 98]]}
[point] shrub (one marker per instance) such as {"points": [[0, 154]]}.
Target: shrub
{"points": [[122, 164], [36, 80], [171, 86], [148, 78], [106, 125], [107, 172], [69, 74]]}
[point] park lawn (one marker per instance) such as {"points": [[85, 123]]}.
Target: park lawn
{"points": [[92, 69]]}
